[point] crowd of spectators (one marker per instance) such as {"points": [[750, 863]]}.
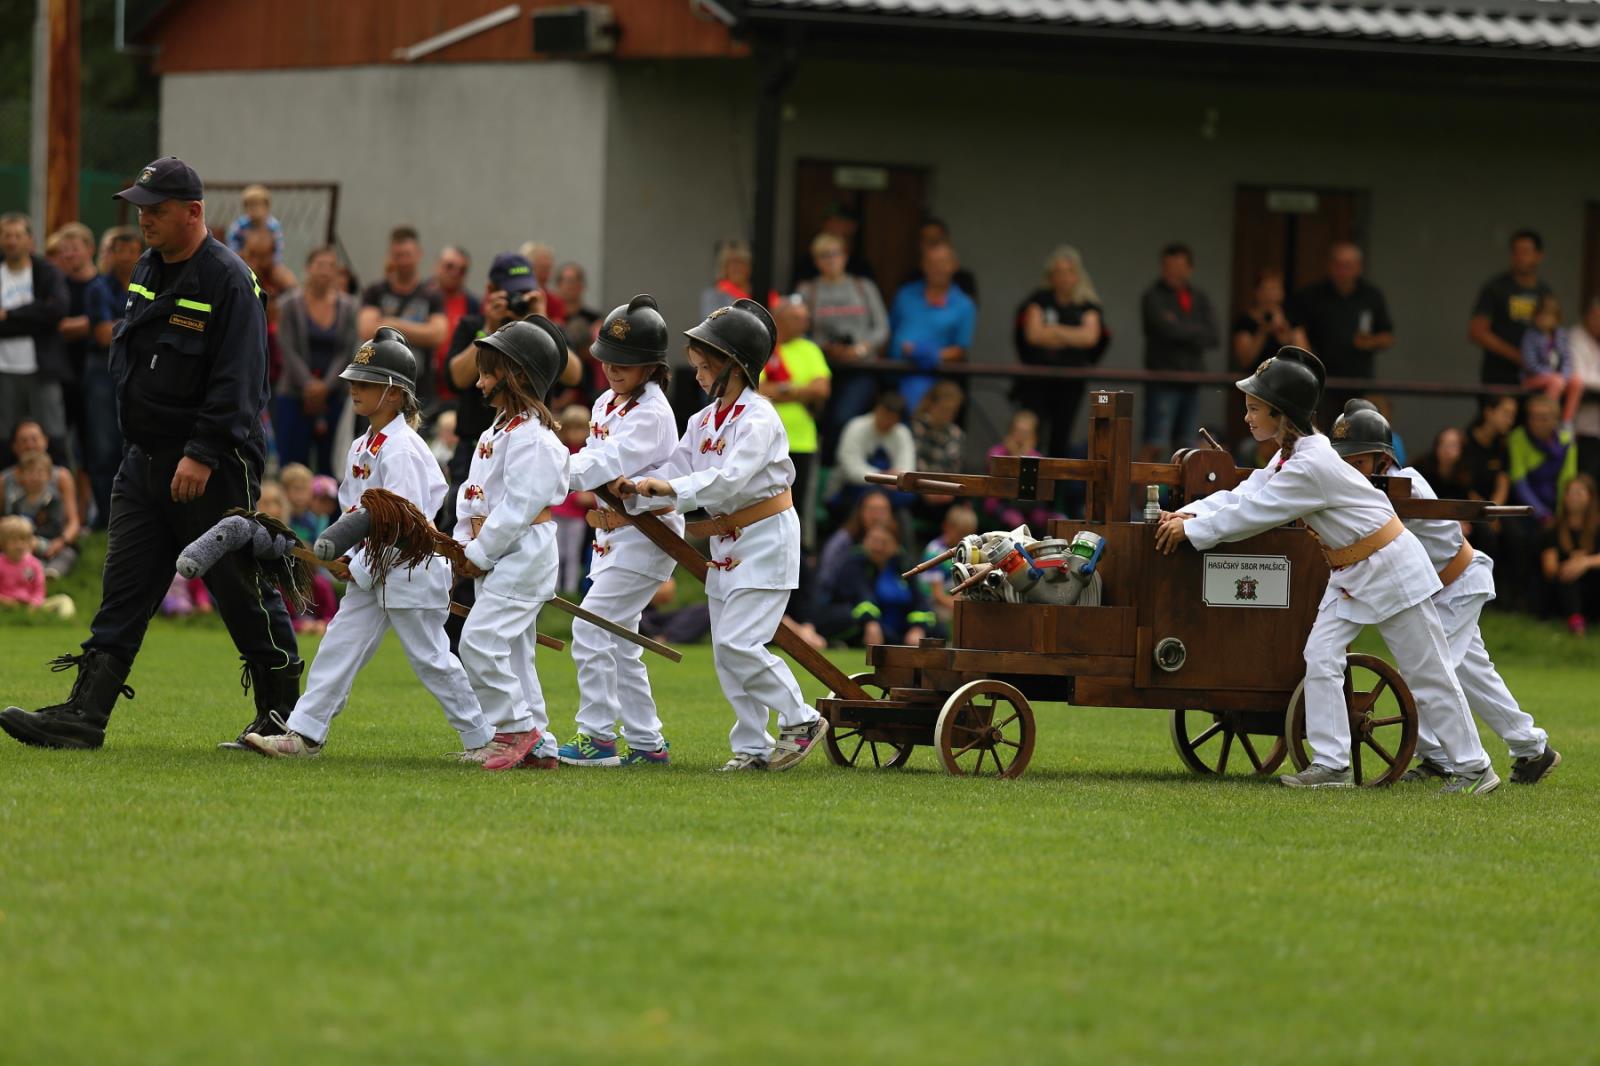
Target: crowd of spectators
{"points": [[845, 418]]}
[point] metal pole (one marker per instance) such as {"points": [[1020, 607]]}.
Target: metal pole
{"points": [[39, 116]]}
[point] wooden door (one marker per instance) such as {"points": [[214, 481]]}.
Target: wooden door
{"points": [[889, 200], [1290, 229]]}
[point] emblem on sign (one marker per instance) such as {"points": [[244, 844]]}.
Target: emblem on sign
{"points": [[1245, 581]]}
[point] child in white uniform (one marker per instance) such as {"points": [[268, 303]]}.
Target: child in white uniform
{"points": [[1389, 583], [518, 472], [733, 461], [1363, 438], [631, 432], [414, 603]]}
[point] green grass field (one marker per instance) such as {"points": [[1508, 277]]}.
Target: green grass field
{"points": [[162, 901]]}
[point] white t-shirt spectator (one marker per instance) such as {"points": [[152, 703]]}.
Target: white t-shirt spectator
{"points": [[17, 354], [862, 449]]}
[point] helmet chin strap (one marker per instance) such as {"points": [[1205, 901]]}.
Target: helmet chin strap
{"points": [[720, 385]]}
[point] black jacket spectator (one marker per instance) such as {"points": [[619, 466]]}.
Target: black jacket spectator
{"points": [[1178, 327], [41, 319], [1332, 320]]}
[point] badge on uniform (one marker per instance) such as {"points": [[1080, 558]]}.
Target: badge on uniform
{"points": [[188, 323]]}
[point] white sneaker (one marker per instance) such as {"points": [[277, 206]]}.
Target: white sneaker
{"points": [[1315, 776], [289, 745], [796, 742], [743, 761]]}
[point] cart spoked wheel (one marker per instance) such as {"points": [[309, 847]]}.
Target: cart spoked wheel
{"points": [[1209, 742], [1383, 722], [854, 746], [985, 727]]}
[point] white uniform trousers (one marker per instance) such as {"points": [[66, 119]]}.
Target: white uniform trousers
{"points": [[753, 679], [353, 638], [613, 685], [1416, 639], [497, 644], [1487, 695]]}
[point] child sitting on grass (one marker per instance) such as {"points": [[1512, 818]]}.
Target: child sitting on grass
{"points": [[31, 493], [21, 575], [1021, 439], [960, 521], [1544, 458]]}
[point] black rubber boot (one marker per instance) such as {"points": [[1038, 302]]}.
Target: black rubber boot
{"points": [[80, 722], [275, 693]]}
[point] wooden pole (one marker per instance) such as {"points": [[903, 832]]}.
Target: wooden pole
{"points": [[62, 157]]}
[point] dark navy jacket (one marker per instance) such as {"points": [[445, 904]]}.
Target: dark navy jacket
{"points": [[191, 363]]}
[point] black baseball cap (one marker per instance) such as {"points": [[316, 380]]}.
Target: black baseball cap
{"points": [[168, 178], [513, 273]]}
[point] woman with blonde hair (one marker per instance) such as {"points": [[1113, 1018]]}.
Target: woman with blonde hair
{"points": [[1061, 324]]}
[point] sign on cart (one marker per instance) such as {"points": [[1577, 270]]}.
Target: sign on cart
{"points": [[1246, 581]]}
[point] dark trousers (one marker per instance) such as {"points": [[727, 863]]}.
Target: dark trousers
{"points": [[148, 530], [1056, 405]]}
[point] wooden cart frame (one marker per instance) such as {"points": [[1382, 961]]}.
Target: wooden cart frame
{"points": [[1224, 661]]}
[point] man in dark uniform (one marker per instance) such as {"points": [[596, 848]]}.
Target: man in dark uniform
{"points": [[189, 359]]}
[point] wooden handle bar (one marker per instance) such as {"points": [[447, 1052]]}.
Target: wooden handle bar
{"points": [[461, 610], [787, 639]]}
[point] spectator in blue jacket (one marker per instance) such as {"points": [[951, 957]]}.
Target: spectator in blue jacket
{"points": [[871, 603], [931, 322]]}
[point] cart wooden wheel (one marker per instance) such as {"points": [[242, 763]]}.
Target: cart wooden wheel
{"points": [[985, 727], [854, 746], [1383, 722], [1209, 742]]}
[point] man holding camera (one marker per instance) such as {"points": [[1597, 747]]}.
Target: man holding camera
{"points": [[512, 293]]}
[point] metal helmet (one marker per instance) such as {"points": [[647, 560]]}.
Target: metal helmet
{"points": [[536, 345], [634, 334], [1291, 382], [1363, 431], [1358, 403], [744, 332], [384, 360]]}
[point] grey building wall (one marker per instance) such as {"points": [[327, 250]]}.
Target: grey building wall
{"points": [[486, 156], [637, 169]]}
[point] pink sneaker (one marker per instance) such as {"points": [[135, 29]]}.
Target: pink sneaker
{"points": [[1577, 626], [513, 749]]}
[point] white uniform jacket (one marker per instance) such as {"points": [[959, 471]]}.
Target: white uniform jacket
{"points": [[518, 469], [1341, 507], [396, 459], [723, 466], [1442, 539], [630, 438]]}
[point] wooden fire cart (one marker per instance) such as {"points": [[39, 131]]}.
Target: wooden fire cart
{"points": [[1214, 638]]}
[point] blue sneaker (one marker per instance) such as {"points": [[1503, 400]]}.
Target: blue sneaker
{"points": [[661, 757], [587, 751]]}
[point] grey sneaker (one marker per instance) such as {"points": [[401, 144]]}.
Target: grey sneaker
{"points": [[743, 761], [1531, 771], [1481, 783], [1315, 776], [796, 742], [1424, 770]]}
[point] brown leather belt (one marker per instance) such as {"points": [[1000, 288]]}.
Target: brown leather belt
{"points": [[1339, 558], [1457, 566], [477, 520], [729, 525], [607, 520]]}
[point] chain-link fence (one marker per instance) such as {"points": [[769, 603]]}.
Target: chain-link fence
{"points": [[113, 145]]}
